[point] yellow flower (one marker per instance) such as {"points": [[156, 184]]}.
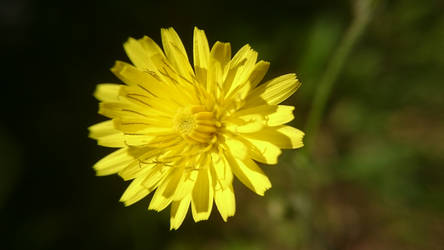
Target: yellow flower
{"points": [[184, 133]]}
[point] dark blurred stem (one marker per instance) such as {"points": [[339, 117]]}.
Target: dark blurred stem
{"points": [[362, 13]]}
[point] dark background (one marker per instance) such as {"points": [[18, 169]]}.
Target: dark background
{"points": [[376, 179]]}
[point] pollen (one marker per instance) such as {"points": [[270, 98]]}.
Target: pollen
{"points": [[195, 124]]}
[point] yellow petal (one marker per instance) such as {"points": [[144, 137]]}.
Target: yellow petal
{"points": [[102, 129], [136, 123], [134, 170], [165, 191], [186, 184], [219, 64], [149, 57], [170, 141], [142, 52], [272, 115], [116, 109], [113, 162], [262, 109], [107, 92], [222, 184], [221, 171], [241, 66], [135, 191], [106, 135], [251, 77], [259, 71], [148, 125], [262, 151], [151, 48], [201, 55], [274, 91], [112, 141], [131, 125], [127, 110], [282, 115], [138, 139], [142, 162], [176, 53], [179, 210], [248, 172], [145, 104], [246, 124], [133, 76], [281, 136], [137, 54], [144, 87], [156, 176], [225, 201], [237, 147], [202, 196]]}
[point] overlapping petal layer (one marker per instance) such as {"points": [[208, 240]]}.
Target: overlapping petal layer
{"points": [[184, 132]]}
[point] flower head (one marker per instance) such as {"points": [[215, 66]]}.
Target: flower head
{"points": [[183, 133]]}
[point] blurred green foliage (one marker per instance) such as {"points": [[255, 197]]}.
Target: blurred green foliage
{"points": [[373, 181]]}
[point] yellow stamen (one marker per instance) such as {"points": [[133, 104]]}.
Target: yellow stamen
{"points": [[195, 124]]}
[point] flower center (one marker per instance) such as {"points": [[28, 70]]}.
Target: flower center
{"points": [[195, 124]]}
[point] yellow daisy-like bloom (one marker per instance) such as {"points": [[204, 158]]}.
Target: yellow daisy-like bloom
{"points": [[184, 133]]}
